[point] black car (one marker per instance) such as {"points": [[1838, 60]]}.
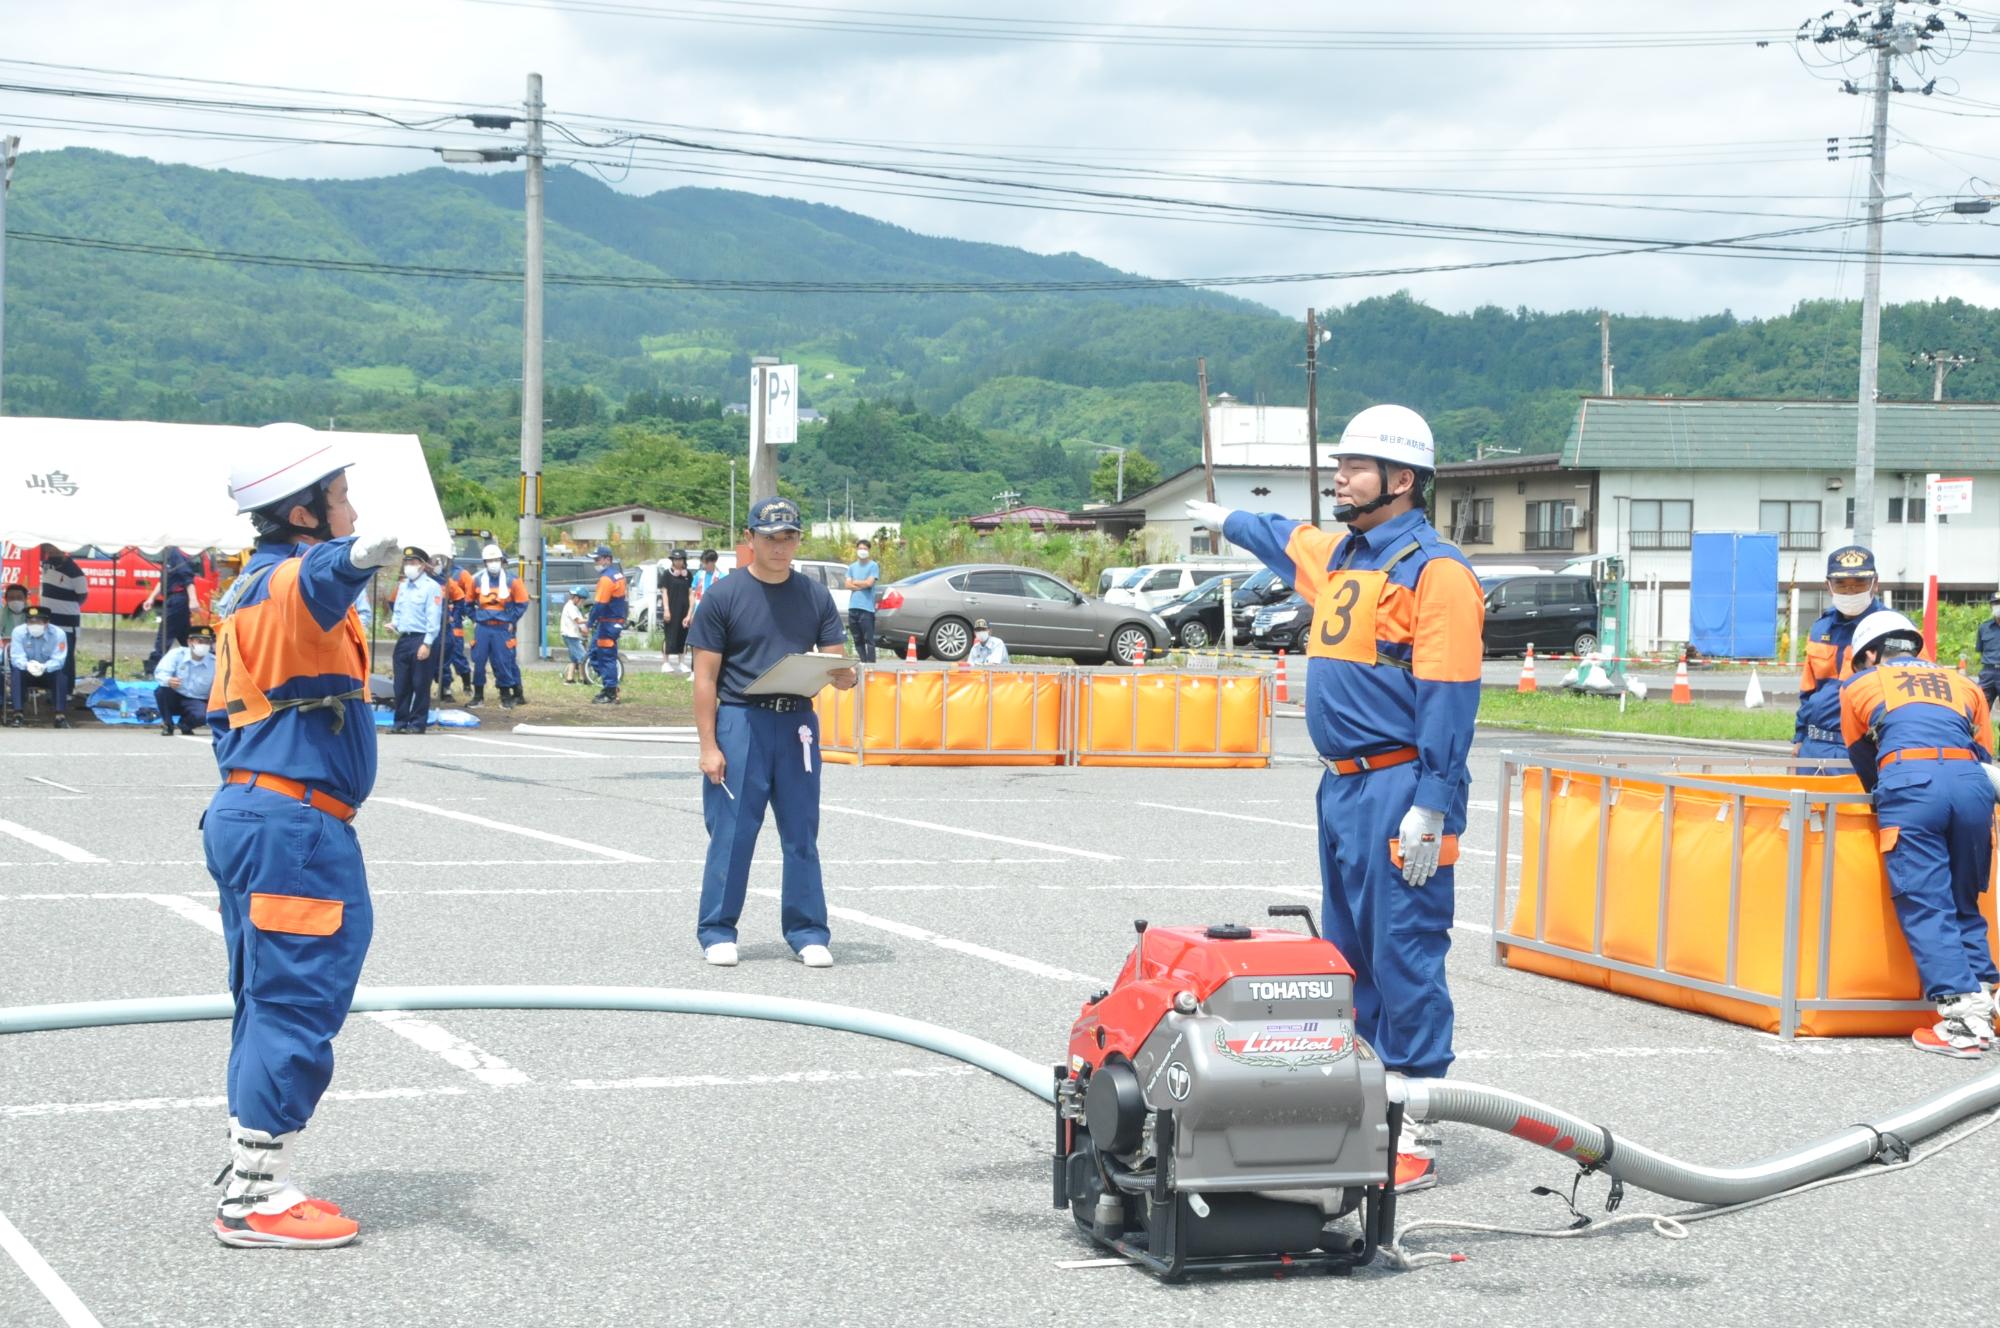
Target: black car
{"points": [[1195, 619], [1282, 625], [1557, 614]]}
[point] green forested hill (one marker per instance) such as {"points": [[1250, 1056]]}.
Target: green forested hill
{"points": [[938, 401]]}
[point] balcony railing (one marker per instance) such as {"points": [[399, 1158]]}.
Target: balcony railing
{"points": [[1474, 534], [1662, 539], [1798, 539], [1548, 539]]}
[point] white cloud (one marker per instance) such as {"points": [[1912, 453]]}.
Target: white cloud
{"points": [[1740, 122]]}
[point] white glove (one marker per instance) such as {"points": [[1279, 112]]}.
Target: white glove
{"points": [[36, 668], [1422, 835], [1993, 778], [1208, 514], [374, 550]]}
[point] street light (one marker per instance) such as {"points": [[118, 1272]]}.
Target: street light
{"points": [[1103, 449], [475, 156]]}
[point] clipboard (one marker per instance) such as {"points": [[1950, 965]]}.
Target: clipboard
{"points": [[799, 675]]}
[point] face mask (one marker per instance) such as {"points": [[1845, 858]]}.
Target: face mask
{"points": [[495, 568], [36, 629], [199, 650], [1850, 605], [1996, 611], [980, 637], [21, 606], [413, 571]]}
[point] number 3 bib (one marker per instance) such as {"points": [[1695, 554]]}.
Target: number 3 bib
{"points": [[1344, 616]]}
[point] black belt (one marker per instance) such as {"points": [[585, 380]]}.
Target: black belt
{"points": [[784, 705], [404, 636]]}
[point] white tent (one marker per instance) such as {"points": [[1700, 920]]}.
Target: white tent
{"points": [[114, 483]]}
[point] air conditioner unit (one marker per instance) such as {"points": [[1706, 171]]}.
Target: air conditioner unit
{"points": [[1579, 519], [1834, 484]]}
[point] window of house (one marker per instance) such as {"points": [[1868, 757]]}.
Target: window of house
{"points": [[638, 518], [1662, 523], [1201, 541], [1471, 520], [1796, 524], [1549, 525]]}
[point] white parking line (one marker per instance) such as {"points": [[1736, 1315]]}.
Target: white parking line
{"points": [[481, 1065], [53, 1288], [531, 747], [615, 854], [1230, 816], [52, 784], [1020, 963], [119, 1106], [62, 849], [198, 914], [973, 834]]}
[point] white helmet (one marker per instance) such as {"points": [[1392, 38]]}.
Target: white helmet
{"points": [[1881, 625], [491, 554], [1395, 434], [283, 460]]}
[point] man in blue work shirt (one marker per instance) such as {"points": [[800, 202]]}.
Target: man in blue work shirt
{"points": [[1850, 583], [1392, 687], [170, 595], [295, 742], [761, 750], [182, 682], [862, 574], [1989, 654], [1919, 738], [606, 623], [36, 654], [417, 617]]}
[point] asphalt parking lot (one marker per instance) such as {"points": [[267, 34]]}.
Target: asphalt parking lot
{"points": [[555, 1168]]}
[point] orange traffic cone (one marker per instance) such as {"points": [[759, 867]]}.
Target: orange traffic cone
{"points": [[1961, 663], [1527, 683], [1139, 654], [910, 652], [1683, 693]]}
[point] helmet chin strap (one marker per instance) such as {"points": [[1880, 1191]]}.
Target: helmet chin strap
{"points": [[1346, 512]]}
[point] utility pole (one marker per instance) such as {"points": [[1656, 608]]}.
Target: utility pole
{"points": [[531, 383], [763, 456], [1207, 452], [1942, 362], [1604, 353], [1312, 411], [9, 147], [1871, 298], [732, 495]]}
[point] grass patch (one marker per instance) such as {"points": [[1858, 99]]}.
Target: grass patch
{"points": [[1563, 712], [379, 377]]}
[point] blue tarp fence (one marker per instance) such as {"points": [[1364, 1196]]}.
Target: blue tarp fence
{"points": [[1733, 595]]}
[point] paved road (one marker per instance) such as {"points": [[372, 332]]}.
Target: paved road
{"points": [[558, 1169]]}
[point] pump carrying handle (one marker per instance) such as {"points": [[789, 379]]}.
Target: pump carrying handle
{"points": [[1296, 911]]}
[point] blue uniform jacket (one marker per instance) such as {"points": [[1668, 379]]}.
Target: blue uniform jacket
{"points": [[1826, 663], [419, 607], [197, 676], [50, 648], [1911, 703]]}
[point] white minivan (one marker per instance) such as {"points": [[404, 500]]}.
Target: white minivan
{"points": [[1161, 583]]}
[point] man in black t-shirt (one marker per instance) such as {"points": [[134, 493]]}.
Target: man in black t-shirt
{"points": [[761, 750]]}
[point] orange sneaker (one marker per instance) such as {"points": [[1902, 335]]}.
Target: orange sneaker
{"points": [[306, 1225], [1415, 1173]]}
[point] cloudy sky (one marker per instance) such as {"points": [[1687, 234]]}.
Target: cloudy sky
{"points": [[1622, 123]]}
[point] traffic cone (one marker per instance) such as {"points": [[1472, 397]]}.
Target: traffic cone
{"points": [[1961, 662], [1527, 683], [1139, 654], [965, 664], [1753, 695], [1683, 693], [910, 652], [1284, 692]]}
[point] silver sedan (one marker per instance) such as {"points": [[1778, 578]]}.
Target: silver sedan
{"points": [[1033, 612]]}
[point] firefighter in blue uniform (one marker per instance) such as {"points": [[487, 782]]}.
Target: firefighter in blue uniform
{"points": [[457, 583], [762, 751], [1392, 686], [418, 618], [182, 682], [295, 742], [1850, 582], [1918, 735], [498, 601], [606, 623], [171, 593]]}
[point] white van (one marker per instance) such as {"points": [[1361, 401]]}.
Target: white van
{"points": [[1161, 583]]}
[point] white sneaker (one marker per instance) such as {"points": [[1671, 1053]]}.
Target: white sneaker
{"points": [[667, 666], [722, 954], [816, 956]]}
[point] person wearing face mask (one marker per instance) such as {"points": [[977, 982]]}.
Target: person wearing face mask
{"points": [[295, 742], [498, 601], [13, 612], [172, 595], [418, 618], [36, 653], [1850, 582], [986, 647], [182, 681], [675, 588], [453, 661], [64, 588], [1392, 687], [1989, 654], [606, 623], [862, 576]]}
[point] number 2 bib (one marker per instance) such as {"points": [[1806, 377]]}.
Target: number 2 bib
{"points": [[1343, 624]]}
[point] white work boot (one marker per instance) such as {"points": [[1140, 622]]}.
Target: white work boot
{"points": [[261, 1207], [816, 956], [1964, 1028], [722, 954]]}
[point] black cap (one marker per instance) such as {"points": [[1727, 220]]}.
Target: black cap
{"points": [[412, 551], [201, 633], [677, 556], [774, 515], [1850, 560], [37, 613]]}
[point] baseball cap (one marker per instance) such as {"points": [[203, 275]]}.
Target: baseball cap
{"points": [[773, 515], [1850, 560], [979, 625]]}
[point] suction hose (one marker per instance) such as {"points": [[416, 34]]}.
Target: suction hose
{"points": [[1033, 1076], [1594, 1145]]}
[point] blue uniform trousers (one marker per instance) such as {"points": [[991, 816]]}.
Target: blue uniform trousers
{"points": [[492, 643], [292, 990], [174, 618], [1393, 934], [176, 707], [766, 765], [603, 658], [1825, 745], [413, 682], [861, 623], [1938, 867], [455, 660], [55, 681]]}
